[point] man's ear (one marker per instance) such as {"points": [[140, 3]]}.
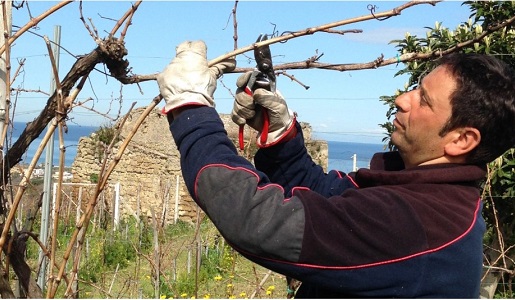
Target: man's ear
{"points": [[463, 141]]}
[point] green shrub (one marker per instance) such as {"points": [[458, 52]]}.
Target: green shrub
{"points": [[92, 266], [106, 133], [179, 229], [93, 177], [118, 251], [185, 284]]}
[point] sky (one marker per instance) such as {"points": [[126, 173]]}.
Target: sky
{"points": [[339, 106]]}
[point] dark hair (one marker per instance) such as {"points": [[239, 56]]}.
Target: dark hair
{"points": [[484, 99]]}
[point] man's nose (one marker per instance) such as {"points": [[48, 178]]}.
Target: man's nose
{"points": [[402, 102]]}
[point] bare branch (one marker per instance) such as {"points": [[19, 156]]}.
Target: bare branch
{"points": [[235, 24], [21, 63], [292, 78], [309, 31], [33, 22], [291, 35], [20, 90], [342, 32], [94, 35], [128, 16]]}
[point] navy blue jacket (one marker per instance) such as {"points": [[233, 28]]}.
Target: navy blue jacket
{"points": [[381, 232]]}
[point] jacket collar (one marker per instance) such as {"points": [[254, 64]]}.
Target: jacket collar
{"points": [[387, 168]]}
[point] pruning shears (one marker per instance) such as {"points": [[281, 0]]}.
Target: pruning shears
{"points": [[263, 76]]}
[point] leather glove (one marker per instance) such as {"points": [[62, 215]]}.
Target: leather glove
{"points": [[188, 80], [249, 110], [243, 108]]}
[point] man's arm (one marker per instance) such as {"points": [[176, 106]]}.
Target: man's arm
{"points": [[290, 165], [283, 156], [250, 212]]}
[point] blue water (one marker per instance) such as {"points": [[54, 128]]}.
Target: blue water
{"points": [[71, 142], [341, 153]]}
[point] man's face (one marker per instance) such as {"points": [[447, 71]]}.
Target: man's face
{"points": [[421, 114]]}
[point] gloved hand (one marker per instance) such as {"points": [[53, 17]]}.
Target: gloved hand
{"points": [[249, 110], [188, 80]]}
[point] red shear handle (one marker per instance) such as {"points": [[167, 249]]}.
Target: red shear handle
{"points": [[240, 137], [264, 130], [248, 91], [266, 124]]}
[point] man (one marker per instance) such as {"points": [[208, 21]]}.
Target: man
{"points": [[410, 226]]}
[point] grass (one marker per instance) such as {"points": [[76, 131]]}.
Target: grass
{"points": [[123, 263]]}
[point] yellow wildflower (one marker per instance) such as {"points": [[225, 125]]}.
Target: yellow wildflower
{"points": [[270, 290], [218, 277]]}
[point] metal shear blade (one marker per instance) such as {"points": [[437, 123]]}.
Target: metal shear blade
{"points": [[263, 75], [265, 66]]}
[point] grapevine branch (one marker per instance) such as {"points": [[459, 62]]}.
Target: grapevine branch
{"points": [[309, 31], [33, 22]]}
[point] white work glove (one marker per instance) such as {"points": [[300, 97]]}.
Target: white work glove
{"points": [[249, 110], [188, 80]]}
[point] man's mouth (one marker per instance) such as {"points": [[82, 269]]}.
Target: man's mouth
{"points": [[397, 124]]}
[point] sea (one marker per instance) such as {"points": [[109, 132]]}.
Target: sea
{"points": [[341, 154], [350, 156], [71, 142]]}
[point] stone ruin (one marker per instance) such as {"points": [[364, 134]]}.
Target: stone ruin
{"points": [[149, 173]]}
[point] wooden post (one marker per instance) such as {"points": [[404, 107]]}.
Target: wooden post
{"points": [[188, 267], [156, 254], [138, 204], [166, 197], [116, 217], [176, 213], [75, 287]]}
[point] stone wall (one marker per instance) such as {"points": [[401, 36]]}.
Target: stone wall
{"points": [[149, 170]]}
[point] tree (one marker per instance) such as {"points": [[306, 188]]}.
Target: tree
{"points": [[486, 32], [111, 52]]}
